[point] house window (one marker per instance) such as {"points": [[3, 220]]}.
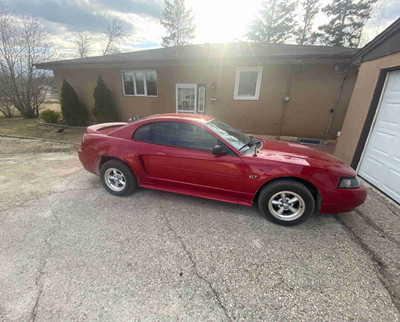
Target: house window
{"points": [[139, 82], [248, 81]]}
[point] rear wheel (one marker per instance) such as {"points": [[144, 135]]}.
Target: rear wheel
{"points": [[117, 178], [286, 202]]}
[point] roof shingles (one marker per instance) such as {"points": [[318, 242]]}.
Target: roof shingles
{"points": [[207, 52]]}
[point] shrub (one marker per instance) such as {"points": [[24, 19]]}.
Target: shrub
{"points": [[50, 116], [73, 111], [104, 108]]}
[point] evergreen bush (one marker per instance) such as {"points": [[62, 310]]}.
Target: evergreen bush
{"points": [[104, 108], [50, 116], [73, 111]]}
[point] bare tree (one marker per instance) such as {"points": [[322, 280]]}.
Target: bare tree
{"points": [[115, 34], [82, 41], [6, 106], [23, 43]]}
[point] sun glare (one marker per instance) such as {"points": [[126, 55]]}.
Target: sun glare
{"points": [[222, 20]]}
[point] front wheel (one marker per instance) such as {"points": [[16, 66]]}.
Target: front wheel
{"points": [[118, 178], [286, 202]]}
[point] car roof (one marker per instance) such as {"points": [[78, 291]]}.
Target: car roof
{"points": [[181, 116]]}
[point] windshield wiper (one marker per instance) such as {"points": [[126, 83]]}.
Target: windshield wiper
{"points": [[249, 144]]}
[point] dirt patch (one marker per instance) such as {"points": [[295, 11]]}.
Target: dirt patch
{"points": [[32, 168]]}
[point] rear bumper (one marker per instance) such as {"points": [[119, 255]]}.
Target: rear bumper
{"points": [[89, 160], [344, 200]]}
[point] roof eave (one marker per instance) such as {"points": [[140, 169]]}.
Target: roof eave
{"points": [[192, 62], [358, 56]]}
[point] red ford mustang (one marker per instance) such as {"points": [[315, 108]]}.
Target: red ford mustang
{"points": [[204, 157]]}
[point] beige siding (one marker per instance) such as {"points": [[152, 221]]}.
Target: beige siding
{"points": [[360, 103], [312, 95]]}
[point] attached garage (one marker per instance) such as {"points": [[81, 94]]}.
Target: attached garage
{"points": [[370, 136], [380, 163]]}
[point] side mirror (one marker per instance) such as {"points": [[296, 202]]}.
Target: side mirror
{"points": [[219, 150]]}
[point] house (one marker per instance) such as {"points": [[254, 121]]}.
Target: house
{"points": [[370, 137], [277, 89]]}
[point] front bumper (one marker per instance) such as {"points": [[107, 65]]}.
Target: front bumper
{"points": [[344, 200]]}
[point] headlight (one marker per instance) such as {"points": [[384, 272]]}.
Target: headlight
{"points": [[349, 183]]}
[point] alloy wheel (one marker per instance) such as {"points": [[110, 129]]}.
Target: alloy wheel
{"points": [[286, 205], [115, 179]]}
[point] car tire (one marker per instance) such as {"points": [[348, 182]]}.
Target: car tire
{"points": [[118, 178], [286, 202]]}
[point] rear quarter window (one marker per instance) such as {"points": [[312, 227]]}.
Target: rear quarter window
{"points": [[143, 133]]}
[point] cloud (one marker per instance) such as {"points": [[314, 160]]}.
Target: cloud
{"points": [[141, 19], [384, 14], [89, 15], [76, 16], [149, 7]]}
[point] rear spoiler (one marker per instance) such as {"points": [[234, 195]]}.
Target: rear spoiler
{"points": [[103, 126]]}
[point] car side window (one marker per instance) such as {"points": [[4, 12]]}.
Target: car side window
{"points": [[143, 133], [183, 135]]}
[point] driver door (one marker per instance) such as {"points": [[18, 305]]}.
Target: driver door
{"points": [[180, 159]]}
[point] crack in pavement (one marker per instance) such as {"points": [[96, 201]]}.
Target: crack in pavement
{"points": [[51, 232], [194, 264], [41, 273], [383, 276]]}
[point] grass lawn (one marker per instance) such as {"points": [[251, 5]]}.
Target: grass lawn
{"points": [[51, 105], [19, 126]]}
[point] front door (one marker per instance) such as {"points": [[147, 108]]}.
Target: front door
{"points": [[191, 98], [186, 98]]}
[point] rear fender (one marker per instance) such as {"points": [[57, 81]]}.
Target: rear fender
{"points": [[122, 150]]}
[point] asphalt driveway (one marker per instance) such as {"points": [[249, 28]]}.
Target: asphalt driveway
{"points": [[71, 251]]}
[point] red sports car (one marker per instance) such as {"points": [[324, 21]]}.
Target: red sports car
{"points": [[204, 157]]}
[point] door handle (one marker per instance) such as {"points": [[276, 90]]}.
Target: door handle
{"points": [[161, 153]]}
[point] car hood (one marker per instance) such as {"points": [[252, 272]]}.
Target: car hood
{"points": [[295, 153]]}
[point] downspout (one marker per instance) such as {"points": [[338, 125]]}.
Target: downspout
{"points": [[333, 110], [285, 103]]}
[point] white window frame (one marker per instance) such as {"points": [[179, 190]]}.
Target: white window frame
{"points": [[201, 109], [259, 70], [186, 85], [134, 82]]}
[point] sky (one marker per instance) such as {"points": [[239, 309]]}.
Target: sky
{"points": [[216, 20]]}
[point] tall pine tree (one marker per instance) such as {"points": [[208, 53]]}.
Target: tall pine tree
{"points": [[348, 18], [304, 34], [179, 23], [275, 22]]}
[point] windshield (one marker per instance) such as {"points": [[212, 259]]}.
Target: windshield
{"points": [[234, 137]]}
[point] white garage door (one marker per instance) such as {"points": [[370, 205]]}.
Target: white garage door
{"points": [[380, 164]]}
